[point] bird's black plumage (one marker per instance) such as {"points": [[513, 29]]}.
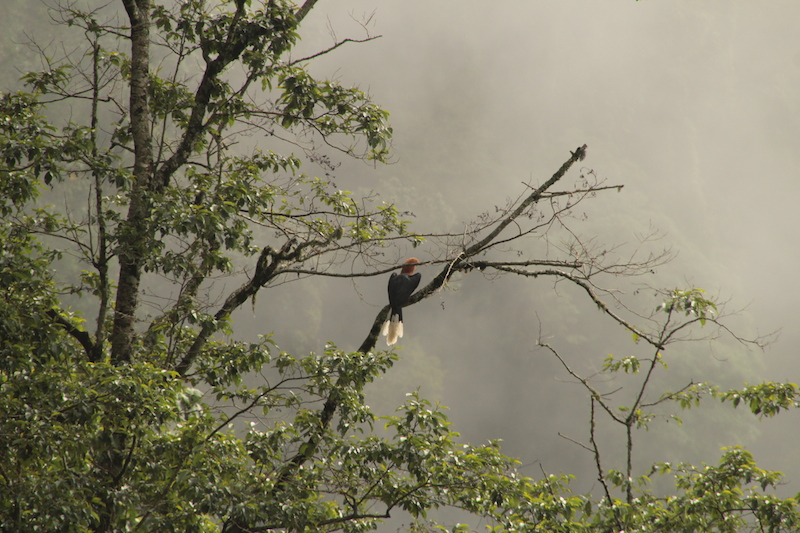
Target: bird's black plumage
{"points": [[401, 286]]}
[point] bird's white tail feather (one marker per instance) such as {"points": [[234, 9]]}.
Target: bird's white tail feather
{"points": [[393, 329]]}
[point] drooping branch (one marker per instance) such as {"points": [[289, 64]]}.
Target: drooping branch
{"points": [[594, 393], [586, 286]]}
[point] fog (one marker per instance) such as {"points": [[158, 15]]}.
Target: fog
{"points": [[692, 106]]}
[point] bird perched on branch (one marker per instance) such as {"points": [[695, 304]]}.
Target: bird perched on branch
{"points": [[400, 288]]}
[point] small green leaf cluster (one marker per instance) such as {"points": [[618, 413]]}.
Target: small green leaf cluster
{"points": [[28, 303], [629, 365], [690, 302], [330, 108], [766, 399], [30, 151]]}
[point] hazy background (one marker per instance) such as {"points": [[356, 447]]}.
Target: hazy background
{"points": [[693, 106]]}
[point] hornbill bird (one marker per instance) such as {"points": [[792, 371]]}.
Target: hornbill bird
{"points": [[400, 288]]}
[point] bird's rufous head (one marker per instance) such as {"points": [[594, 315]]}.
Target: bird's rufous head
{"points": [[409, 265]]}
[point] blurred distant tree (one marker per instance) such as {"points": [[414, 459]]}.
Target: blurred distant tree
{"points": [[133, 422]]}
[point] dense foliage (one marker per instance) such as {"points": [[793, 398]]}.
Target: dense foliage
{"points": [[120, 418]]}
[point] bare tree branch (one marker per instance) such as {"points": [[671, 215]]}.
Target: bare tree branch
{"points": [[461, 260], [332, 48]]}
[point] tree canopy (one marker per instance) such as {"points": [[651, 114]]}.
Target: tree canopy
{"points": [[121, 169]]}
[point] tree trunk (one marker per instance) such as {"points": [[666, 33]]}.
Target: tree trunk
{"points": [[132, 241]]}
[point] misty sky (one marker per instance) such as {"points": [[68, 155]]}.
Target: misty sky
{"points": [[693, 106]]}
